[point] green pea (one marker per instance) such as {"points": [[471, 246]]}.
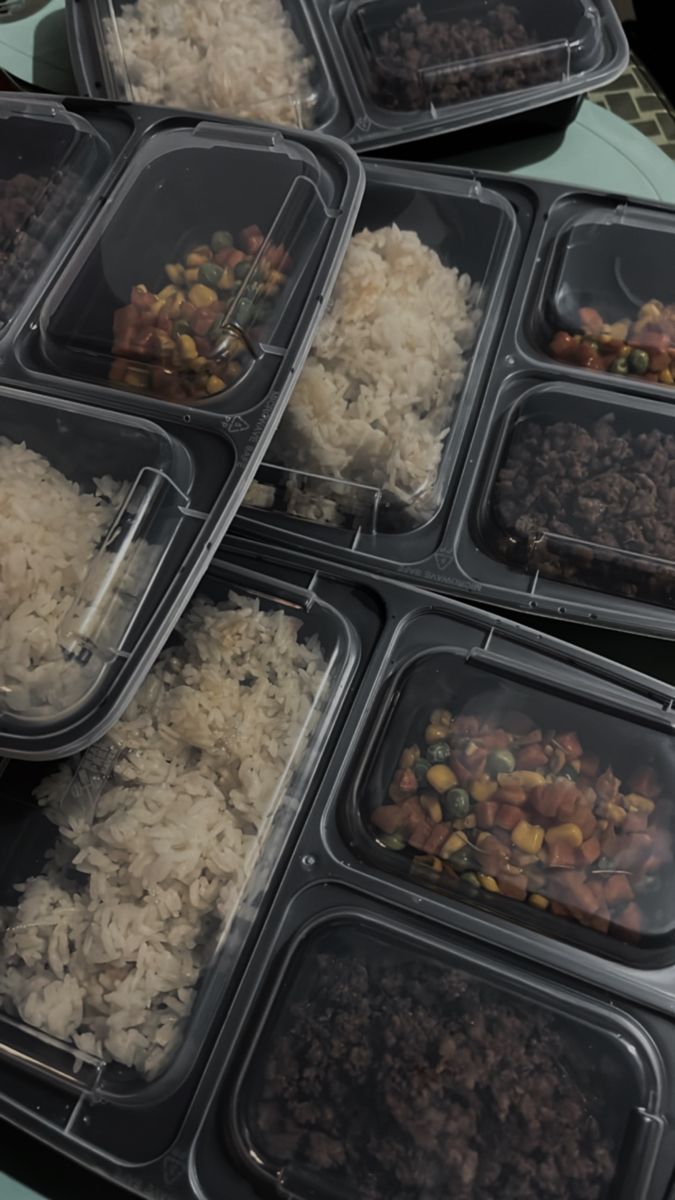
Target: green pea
{"points": [[604, 863], [438, 752], [470, 882], [210, 274], [392, 841], [462, 860], [242, 269], [569, 772], [619, 366], [455, 804], [638, 361], [181, 327], [420, 768], [244, 311], [500, 762], [222, 240]]}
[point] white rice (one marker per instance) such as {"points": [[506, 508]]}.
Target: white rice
{"points": [[233, 57], [105, 948], [377, 397], [49, 532]]}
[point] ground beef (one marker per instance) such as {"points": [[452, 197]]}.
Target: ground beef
{"points": [[400, 1078], [34, 212], [408, 58], [602, 485]]}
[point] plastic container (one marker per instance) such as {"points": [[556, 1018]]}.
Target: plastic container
{"points": [[174, 755], [492, 783], [378, 495], [606, 267], [222, 327], [50, 162], [410, 1041], [64, 643], [358, 87]]}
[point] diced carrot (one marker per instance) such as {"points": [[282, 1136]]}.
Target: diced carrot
{"points": [[645, 782], [635, 849], [508, 816], [439, 834], [513, 886], [514, 796], [570, 743], [486, 813], [590, 320], [531, 757], [583, 817], [561, 855], [420, 833], [589, 765], [618, 890], [589, 852], [558, 909]]}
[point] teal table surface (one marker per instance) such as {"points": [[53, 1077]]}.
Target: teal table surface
{"points": [[597, 151]]}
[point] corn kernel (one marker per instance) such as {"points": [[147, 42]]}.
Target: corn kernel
{"points": [[636, 803], [529, 838], [488, 883], [538, 901], [187, 346], [435, 733], [441, 716], [432, 807], [196, 260], [521, 779], [569, 835], [441, 778], [175, 272], [410, 756], [456, 841], [616, 814], [191, 275], [666, 376], [483, 789], [202, 296]]}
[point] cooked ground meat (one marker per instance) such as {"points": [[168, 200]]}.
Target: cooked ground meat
{"points": [[602, 485], [33, 215], [409, 59], [400, 1078]]}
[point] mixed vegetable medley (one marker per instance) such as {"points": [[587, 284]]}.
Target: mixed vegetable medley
{"points": [[644, 346], [505, 806], [191, 340]]}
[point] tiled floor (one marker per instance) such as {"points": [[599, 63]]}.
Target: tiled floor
{"points": [[636, 97]]}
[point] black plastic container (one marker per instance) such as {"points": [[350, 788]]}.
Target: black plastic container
{"points": [[51, 168], [176, 1135], [561, 233], [510, 89], [309, 188]]}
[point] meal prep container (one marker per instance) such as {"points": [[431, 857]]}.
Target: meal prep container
{"points": [[604, 1060], [460, 550], [166, 177], [120, 1110], [500, 76], [51, 163], [327, 879]]}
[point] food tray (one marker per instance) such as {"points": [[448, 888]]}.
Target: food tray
{"points": [[118, 784], [51, 165], [448, 553], [502, 74], [177, 1137], [394, 970]]}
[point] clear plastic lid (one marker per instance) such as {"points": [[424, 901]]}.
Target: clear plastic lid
{"points": [[191, 287], [243, 58], [135, 882], [428, 56], [371, 435], [581, 492], [89, 503], [608, 302], [389, 1067], [49, 161], [507, 792]]}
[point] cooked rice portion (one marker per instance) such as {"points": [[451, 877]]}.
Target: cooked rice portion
{"points": [[377, 397], [234, 57], [49, 531], [105, 948]]}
